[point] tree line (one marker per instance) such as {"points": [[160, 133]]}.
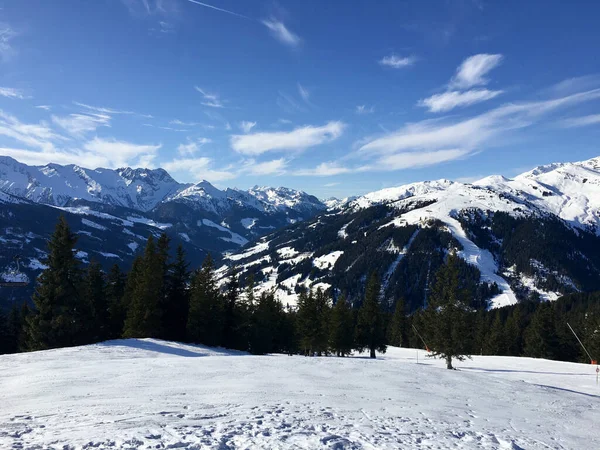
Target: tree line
{"points": [[162, 298]]}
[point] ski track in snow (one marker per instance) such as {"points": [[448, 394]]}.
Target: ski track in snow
{"points": [[143, 394]]}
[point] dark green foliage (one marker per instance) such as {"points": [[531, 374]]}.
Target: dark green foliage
{"points": [[540, 338], [397, 328], [115, 292], [370, 327], [312, 322], [94, 292], [206, 313], [341, 327], [267, 325], [144, 315], [448, 314], [177, 298], [62, 314]]}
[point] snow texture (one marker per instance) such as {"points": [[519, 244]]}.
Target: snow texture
{"points": [[143, 394]]}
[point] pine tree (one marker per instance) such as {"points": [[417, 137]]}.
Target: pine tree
{"points": [[62, 313], [144, 317], [308, 323], [177, 304], [266, 336], [322, 312], [448, 316], [134, 278], [205, 317], [233, 316], [341, 338], [117, 310], [496, 340], [397, 330], [370, 331], [93, 290], [540, 335]]}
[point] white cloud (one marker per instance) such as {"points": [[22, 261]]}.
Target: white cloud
{"points": [[12, 93], [192, 146], [331, 184], [247, 126], [326, 169], [281, 32], [198, 169], [206, 5], [593, 119], [473, 69], [297, 139], [184, 124], [431, 141], [6, 36], [210, 99], [453, 99], [122, 153], [44, 107], [80, 124], [274, 167], [397, 62], [363, 109], [38, 135], [102, 110], [304, 93]]}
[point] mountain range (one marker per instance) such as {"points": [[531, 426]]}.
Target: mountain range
{"points": [[536, 235]]}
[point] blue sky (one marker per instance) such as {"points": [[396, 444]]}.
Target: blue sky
{"points": [[333, 98]]}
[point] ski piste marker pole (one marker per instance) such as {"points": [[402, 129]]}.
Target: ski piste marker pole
{"points": [[422, 340]]}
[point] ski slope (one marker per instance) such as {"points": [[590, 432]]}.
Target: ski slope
{"points": [[142, 394]]}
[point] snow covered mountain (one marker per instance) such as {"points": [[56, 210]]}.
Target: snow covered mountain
{"points": [[114, 211], [140, 189], [534, 236]]}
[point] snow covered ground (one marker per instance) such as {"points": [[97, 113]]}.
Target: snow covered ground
{"points": [[142, 394]]}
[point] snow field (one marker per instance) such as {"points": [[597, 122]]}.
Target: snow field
{"points": [[142, 394]]}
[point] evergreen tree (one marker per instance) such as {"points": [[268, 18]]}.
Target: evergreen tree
{"points": [[370, 331], [62, 313], [514, 332], [144, 317], [323, 310], [267, 323], [115, 292], [341, 338], [6, 337], [177, 304], [93, 290], [496, 339], [205, 317], [448, 316], [397, 329], [540, 336], [134, 278]]}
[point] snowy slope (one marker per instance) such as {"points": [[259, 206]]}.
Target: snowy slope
{"points": [[142, 394], [141, 189], [54, 184]]}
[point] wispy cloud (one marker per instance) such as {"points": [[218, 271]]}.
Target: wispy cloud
{"points": [[364, 109], [6, 36], [206, 5], [432, 142], [12, 93], [247, 126], [273, 167], [37, 135], [80, 124], [44, 107], [288, 103], [192, 146], [297, 139], [210, 99], [122, 153], [102, 110], [198, 169], [453, 99], [304, 93], [593, 119], [472, 71], [281, 32], [397, 62]]}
